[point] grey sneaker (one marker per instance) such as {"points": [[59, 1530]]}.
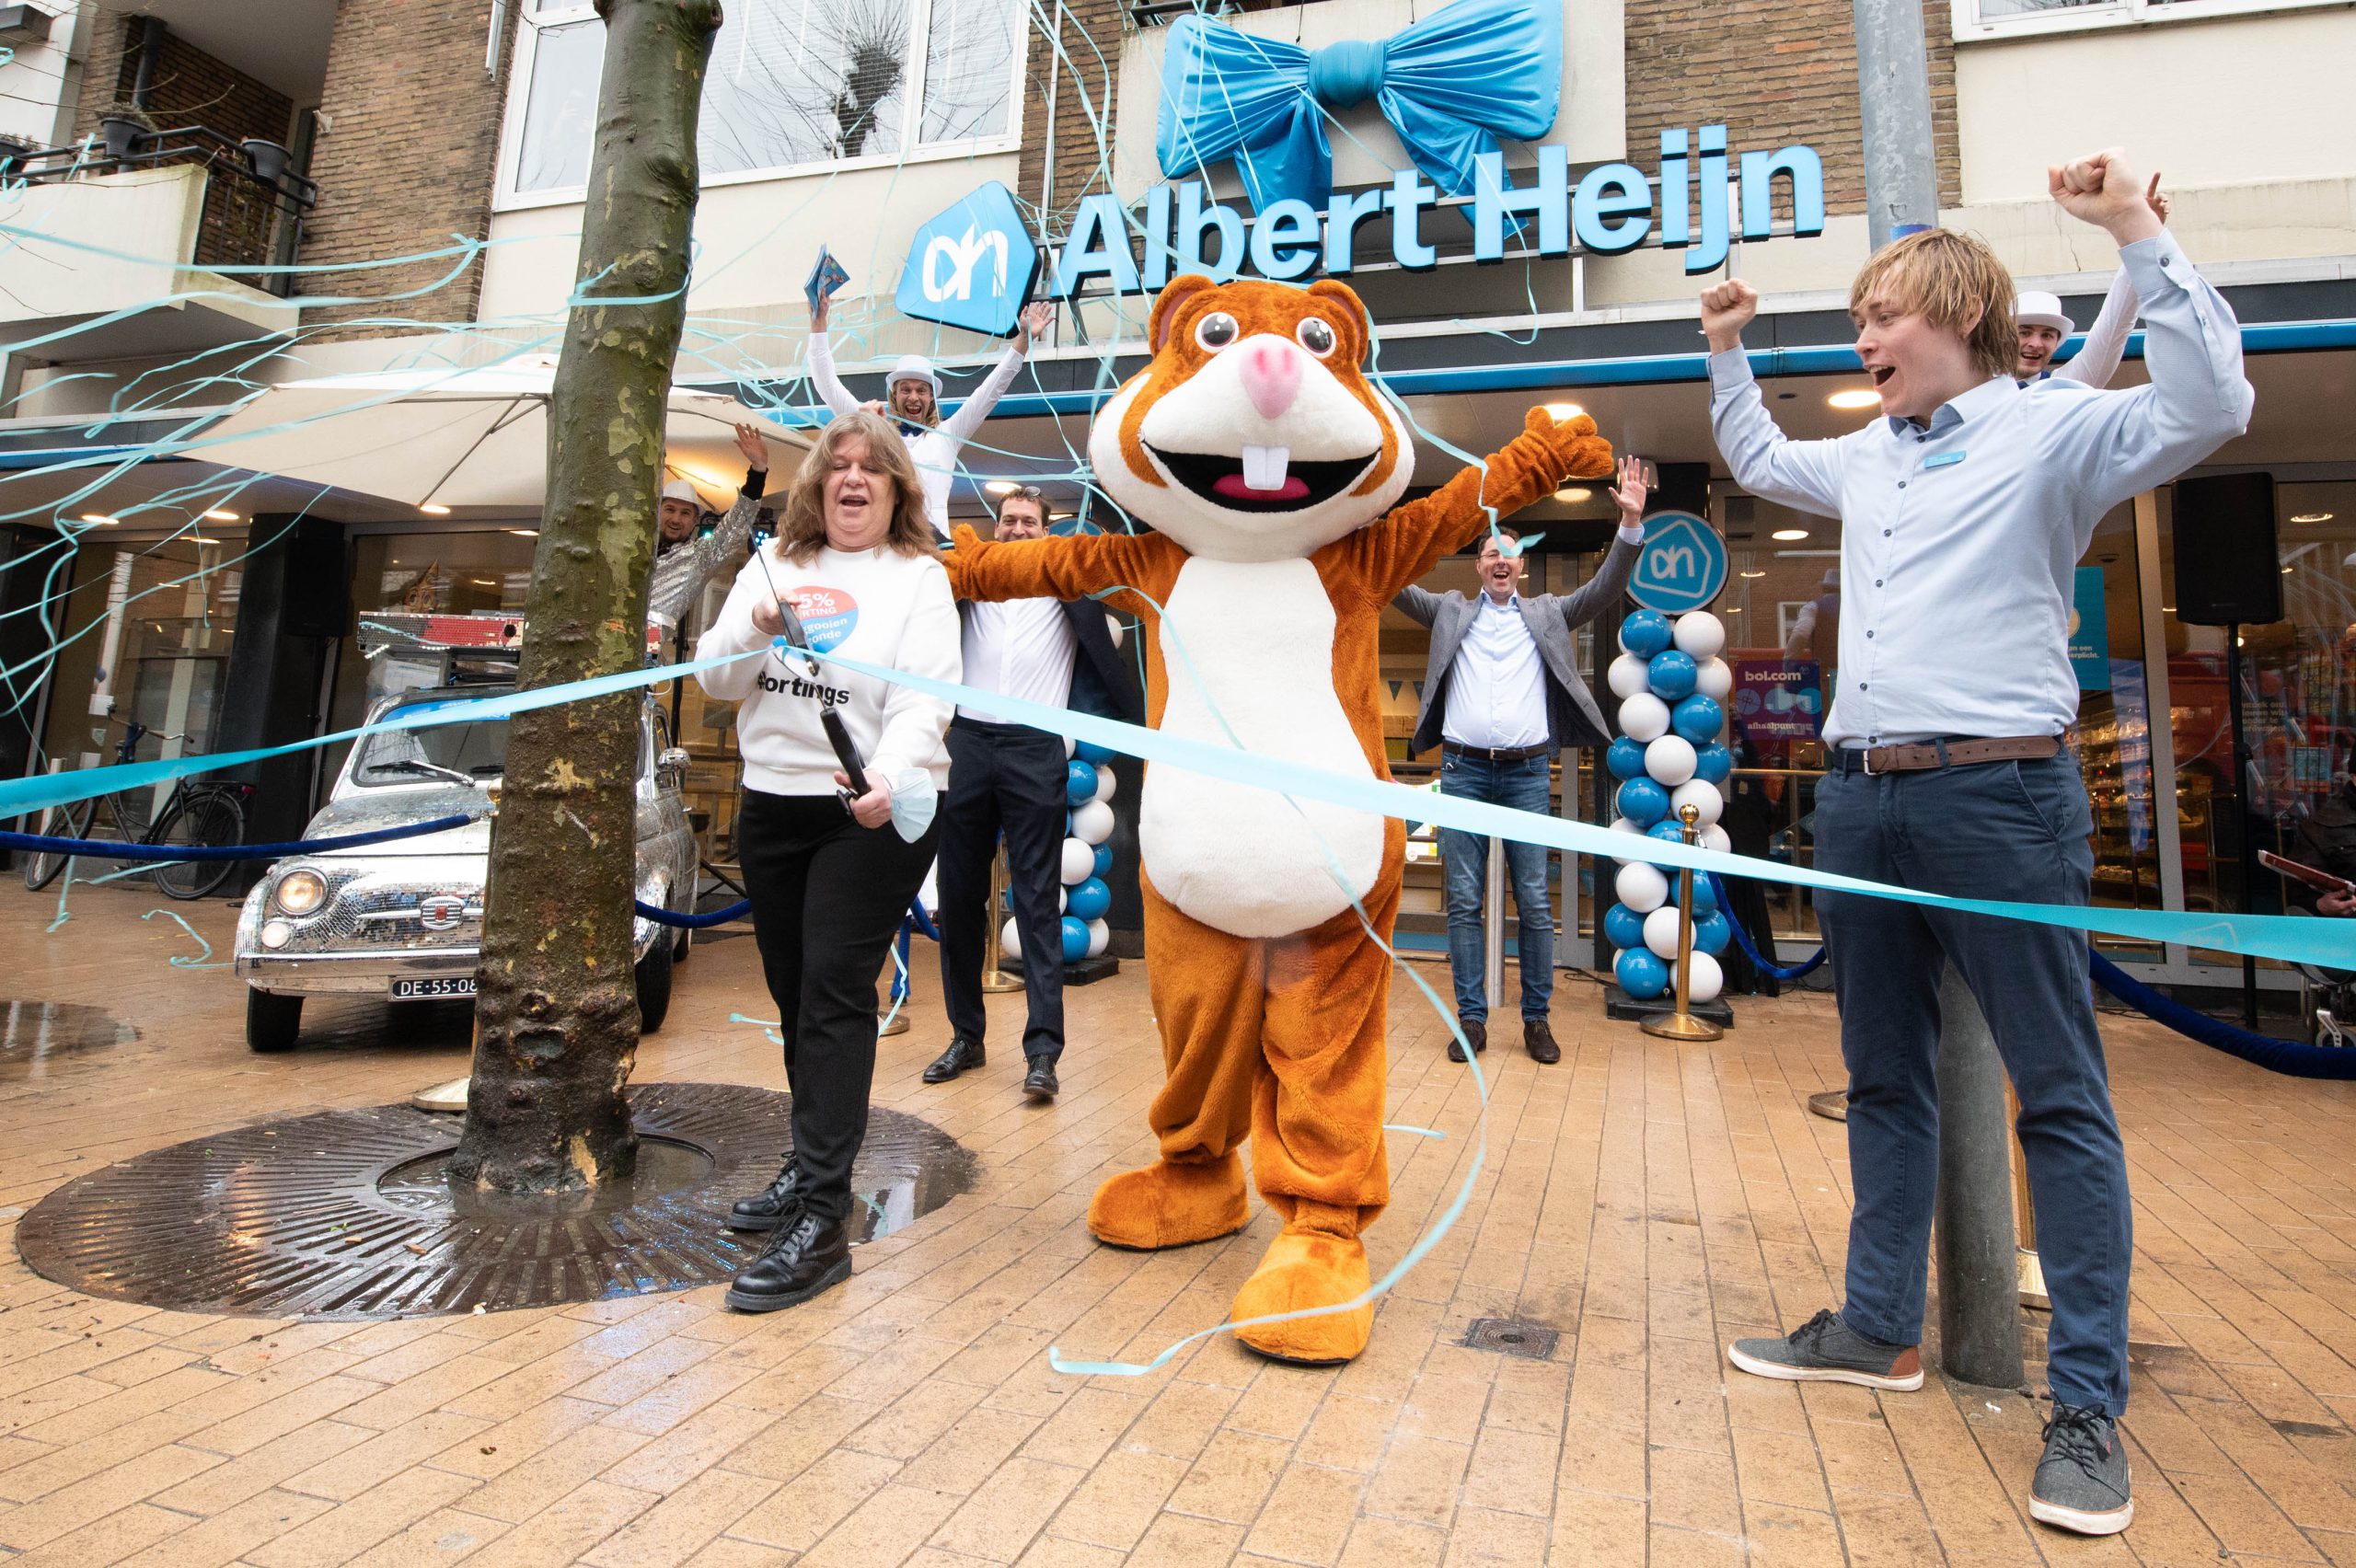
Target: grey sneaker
{"points": [[2082, 1481], [1826, 1350]]}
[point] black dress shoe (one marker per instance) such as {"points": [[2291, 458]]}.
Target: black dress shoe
{"points": [[1538, 1039], [800, 1260], [962, 1054], [773, 1206], [1039, 1083], [1478, 1034]]}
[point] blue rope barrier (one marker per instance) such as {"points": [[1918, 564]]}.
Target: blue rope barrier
{"points": [[661, 917], [117, 850], [2288, 1056], [1773, 971]]}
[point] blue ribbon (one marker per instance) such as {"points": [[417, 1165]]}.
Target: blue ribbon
{"points": [[1451, 85], [2282, 937], [118, 850]]}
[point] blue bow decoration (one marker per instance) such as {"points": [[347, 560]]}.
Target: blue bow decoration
{"points": [[1451, 85]]}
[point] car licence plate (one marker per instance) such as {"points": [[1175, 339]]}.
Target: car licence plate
{"points": [[438, 986]]}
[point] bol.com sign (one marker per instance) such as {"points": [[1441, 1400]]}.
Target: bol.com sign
{"points": [[973, 266]]}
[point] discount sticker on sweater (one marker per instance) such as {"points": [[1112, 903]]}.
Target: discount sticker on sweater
{"points": [[826, 613]]}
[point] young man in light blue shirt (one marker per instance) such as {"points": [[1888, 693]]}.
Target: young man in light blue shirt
{"points": [[1964, 510]]}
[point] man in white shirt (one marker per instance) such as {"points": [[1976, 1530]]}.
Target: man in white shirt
{"points": [[1009, 780], [1502, 696], [1963, 509], [912, 396]]}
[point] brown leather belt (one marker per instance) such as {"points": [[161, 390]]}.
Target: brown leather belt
{"points": [[1494, 754], [1945, 754]]}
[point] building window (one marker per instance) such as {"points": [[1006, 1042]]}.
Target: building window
{"points": [[1977, 20], [792, 83]]}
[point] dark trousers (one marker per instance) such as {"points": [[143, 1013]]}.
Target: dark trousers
{"points": [[827, 896], [1003, 778], [1998, 830]]}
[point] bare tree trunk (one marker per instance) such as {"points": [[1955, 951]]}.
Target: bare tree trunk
{"points": [[557, 1017]]}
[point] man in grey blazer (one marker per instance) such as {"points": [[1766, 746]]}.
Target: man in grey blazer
{"points": [[1502, 696]]}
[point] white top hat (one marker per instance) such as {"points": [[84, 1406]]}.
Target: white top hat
{"points": [[2035, 308], [913, 367]]}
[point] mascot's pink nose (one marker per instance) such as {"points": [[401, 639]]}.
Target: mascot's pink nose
{"points": [[1271, 376]]}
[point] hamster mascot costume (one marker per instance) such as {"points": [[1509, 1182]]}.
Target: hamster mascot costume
{"points": [[1268, 467]]}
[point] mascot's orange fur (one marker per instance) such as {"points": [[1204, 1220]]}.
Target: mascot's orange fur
{"points": [[1268, 465]]}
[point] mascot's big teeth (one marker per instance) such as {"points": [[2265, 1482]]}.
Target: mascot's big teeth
{"points": [[1264, 467]]}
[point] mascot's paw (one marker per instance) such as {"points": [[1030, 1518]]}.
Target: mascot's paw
{"points": [[1573, 450], [1170, 1206], [1305, 1269]]}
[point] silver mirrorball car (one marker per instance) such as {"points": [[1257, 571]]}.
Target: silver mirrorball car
{"points": [[402, 920]]}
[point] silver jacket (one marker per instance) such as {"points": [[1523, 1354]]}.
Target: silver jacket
{"points": [[681, 571]]}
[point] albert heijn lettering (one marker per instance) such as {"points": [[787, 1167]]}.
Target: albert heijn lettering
{"points": [[1610, 211]]}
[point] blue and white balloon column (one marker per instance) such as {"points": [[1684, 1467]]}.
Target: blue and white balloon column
{"points": [[1085, 898], [1672, 689]]}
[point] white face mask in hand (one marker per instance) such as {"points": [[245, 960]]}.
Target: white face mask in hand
{"points": [[914, 799]]}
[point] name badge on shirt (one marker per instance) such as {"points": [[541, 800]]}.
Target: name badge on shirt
{"points": [[1943, 460]]}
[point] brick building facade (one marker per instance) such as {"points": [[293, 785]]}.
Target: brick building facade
{"points": [[407, 154]]}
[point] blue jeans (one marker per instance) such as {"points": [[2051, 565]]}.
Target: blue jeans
{"points": [[1521, 785], [1997, 830]]}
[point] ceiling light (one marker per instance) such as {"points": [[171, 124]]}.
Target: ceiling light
{"points": [[2168, 609], [1558, 412], [201, 539], [100, 518], [482, 583], [1059, 516], [433, 509], [1001, 487], [1733, 610], [1754, 574], [219, 516], [1575, 494], [1855, 397], [1787, 535], [2314, 517], [2288, 569], [525, 533]]}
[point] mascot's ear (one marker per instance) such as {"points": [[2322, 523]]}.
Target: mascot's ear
{"points": [[1172, 299], [1347, 299]]}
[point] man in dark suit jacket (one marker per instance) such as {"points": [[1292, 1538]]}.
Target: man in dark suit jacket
{"points": [[1502, 696], [1009, 778]]}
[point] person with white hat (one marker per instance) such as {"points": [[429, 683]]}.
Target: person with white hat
{"points": [[912, 396], [2043, 323], [684, 563]]}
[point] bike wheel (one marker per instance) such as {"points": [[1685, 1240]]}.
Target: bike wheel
{"points": [[208, 819], [59, 821]]}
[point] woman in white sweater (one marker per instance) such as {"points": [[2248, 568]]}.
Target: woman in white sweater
{"points": [[829, 875], [912, 396]]}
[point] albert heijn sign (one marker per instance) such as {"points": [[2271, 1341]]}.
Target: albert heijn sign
{"points": [[1453, 86]]}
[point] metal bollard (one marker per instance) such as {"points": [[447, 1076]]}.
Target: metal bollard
{"points": [[1493, 927], [1980, 1314]]}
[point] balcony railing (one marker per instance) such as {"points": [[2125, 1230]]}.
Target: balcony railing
{"points": [[254, 205]]}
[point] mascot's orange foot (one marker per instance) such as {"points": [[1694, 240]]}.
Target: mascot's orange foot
{"points": [[1170, 1206], [1305, 1269]]}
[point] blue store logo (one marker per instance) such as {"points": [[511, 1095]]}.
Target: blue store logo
{"points": [[1682, 567], [973, 266]]}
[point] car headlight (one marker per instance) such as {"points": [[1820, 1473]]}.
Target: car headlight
{"points": [[276, 934], [299, 892]]}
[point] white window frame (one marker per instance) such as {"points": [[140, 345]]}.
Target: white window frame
{"points": [[506, 197], [1969, 29]]}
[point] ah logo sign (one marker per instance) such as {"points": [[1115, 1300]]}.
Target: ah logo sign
{"points": [[1683, 566], [973, 266]]}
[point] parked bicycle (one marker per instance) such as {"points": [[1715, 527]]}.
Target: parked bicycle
{"points": [[195, 812]]}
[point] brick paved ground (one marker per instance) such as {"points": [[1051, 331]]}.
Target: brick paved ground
{"points": [[1648, 1200]]}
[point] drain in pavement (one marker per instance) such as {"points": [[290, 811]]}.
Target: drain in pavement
{"points": [[1511, 1336]]}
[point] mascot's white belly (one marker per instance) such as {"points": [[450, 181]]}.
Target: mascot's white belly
{"points": [[1252, 643]]}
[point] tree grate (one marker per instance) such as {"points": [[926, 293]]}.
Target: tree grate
{"points": [[1511, 1336], [342, 1215]]}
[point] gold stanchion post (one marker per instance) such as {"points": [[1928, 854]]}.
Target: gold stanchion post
{"points": [[995, 979], [2030, 1271], [1682, 1024]]}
